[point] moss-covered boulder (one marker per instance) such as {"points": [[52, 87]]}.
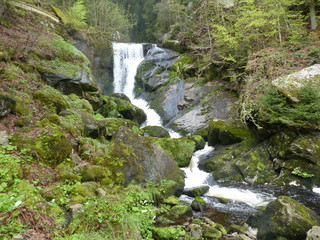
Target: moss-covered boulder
{"points": [[285, 218], [198, 204], [144, 160], [220, 132], [84, 190], [117, 107], [172, 200], [94, 173], [53, 192], [175, 46], [246, 161], [198, 140], [52, 99], [181, 149], [156, 131], [7, 104], [179, 211], [47, 145], [172, 232], [110, 126], [196, 191]]}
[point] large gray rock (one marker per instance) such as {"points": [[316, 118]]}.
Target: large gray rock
{"points": [[144, 160], [289, 84], [7, 104], [67, 84], [285, 218]]}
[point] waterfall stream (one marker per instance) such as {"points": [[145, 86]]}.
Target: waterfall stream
{"points": [[127, 57]]}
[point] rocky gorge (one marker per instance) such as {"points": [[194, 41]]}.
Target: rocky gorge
{"points": [[76, 159]]}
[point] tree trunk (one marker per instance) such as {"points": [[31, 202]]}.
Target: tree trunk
{"points": [[313, 20]]}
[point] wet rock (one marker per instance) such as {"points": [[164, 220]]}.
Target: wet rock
{"points": [[217, 105], [313, 233], [220, 132], [156, 131], [181, 149], [172, 200], [144, 160], [198, 140], [247, 161], [68, 84], [7, 105], [197, 191], [236, 228], [121, 96], [285, 218], [180, 211], [211, 233], [198, 204]]}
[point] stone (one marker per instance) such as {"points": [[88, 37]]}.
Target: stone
{"points": [[144, 160], [100, 192], [172, 200], [290, 84], [180, 211], [94, 173], [4, 140], [71, 84], [156, 131], [211, 232], [285, 218], [198, 204], [75, 209], [313, 233], [198, 140], [181, 149], [121, 96], [195, 230], [174, 45], [196, 191], [7, 105]]}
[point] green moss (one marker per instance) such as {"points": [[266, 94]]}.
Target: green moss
{"points": [[83, 191], [198, 140], [51, 98], [169, 232], [180, 149], [53, 192], [77, 200], [94, 173], [156, 131], [179, 211], [80, 104], [172, 200], [21, 108], [67, 176], [49, 146]]}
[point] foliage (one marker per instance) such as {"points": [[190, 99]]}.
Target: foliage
{"points": [[297, 171], [274, 107]]}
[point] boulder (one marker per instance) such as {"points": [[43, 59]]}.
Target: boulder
{"points": [[290, 84], [121, 96], [198, 140], [284, 217], [196, 191], [144, 160], [83, 82], [7, 105], [174, 45], [247, 161], [198, 204], [4, 138], [220, 132], [181, 149], [156, 131]]}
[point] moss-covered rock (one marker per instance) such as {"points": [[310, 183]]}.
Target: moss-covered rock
{"points": [[284, 217], [83, 190], [52, 99], [7, 104], [211, 232], [143, 160], [172, 232], [198, 204], [156, 131], [174, 45], [94, 173], [180, 211], [181, 149], [198, 140], [247, 161], [53, 192], [172, 200], [196, 191], [48, 145], [220, 132]]}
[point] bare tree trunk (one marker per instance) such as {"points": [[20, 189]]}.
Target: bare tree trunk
{"points": [[313, 20]]}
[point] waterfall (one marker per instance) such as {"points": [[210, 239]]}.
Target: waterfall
{"points": [[127, 57]]}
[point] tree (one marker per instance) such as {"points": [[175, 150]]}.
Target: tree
{"points": [[312, 11]]}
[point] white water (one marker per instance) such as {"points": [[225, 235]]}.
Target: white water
{"points": [[127, 57], [196, 178]]}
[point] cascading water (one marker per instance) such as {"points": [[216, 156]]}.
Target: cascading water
{"points": [[127, 57]]}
